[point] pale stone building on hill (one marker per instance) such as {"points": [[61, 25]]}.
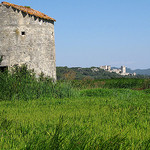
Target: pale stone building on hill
{"points": [[27, 37], [121, 71]]}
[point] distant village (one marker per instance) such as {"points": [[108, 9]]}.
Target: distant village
{"points": [[121, 71]]}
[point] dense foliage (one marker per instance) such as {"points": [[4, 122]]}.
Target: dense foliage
{"points": [[22, 84]]}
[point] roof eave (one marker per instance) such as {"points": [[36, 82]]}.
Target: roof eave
{"points": [[16, 7]]}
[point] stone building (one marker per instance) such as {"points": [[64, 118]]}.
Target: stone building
{"points": [[108, 68], [121, 71], [27, 37]]}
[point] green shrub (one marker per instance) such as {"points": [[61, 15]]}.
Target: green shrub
{"points": [[21, 83]]}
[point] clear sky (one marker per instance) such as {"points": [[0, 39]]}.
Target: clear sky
{"points": [[98, 32]]}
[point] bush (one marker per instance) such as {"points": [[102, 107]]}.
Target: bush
{"points": [[21, 83]]}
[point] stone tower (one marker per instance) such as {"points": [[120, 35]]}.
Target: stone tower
{"points": [[27, 37], [123, 69]]}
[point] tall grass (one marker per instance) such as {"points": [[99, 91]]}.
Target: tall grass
{"points": [[97, 122], [112, 83], [21, 84]]}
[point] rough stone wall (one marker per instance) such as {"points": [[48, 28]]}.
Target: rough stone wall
{"points": [[26, 39]]}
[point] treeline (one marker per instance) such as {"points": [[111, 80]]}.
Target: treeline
{"points": [[77, 73]]}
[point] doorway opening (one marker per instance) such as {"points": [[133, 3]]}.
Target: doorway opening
{"points": [[3, 68]]}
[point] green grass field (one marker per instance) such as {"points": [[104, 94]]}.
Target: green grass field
{"points": [[37, 114], [109, 119]]}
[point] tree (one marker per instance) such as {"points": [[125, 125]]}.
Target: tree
{"points": [[71, 75]]}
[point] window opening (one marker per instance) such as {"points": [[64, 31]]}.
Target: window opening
{"points": [[23, 33]]}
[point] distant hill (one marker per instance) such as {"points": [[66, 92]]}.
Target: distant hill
{"points": [[84, 73], [96, 73], [139, 71]]}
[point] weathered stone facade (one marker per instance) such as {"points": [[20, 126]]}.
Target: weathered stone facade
{"points": [[27, 39]]}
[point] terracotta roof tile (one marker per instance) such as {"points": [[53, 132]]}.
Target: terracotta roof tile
{"points": [[29, 10]]}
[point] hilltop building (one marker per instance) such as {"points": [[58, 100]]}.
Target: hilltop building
{"points": [[108, 68], [27, 37], [121, 71]]}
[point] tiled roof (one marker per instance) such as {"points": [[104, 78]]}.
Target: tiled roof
{"points": [[29, 10]]}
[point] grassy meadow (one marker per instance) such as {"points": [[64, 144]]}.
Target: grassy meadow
{"points": [[42, 115]]}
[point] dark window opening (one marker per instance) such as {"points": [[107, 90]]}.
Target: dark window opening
{"points": [[3, 68], [23, 33]]}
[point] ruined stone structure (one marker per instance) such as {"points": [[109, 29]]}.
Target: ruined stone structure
{"points": [[108, 68], [27, 37], [121, 71]]}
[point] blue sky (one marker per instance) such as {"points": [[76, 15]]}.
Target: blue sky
{"points": [[98, 32]]}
